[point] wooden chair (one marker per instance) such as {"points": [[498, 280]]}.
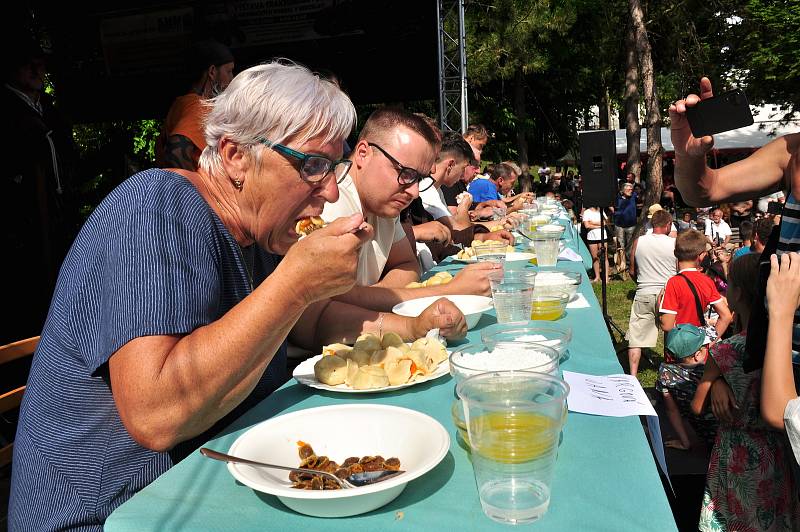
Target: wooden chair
{"points": [[11, 399]]}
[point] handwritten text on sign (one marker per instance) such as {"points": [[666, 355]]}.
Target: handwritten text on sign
{"points": [[607, 395]]}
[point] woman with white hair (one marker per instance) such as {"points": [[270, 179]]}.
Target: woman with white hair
{"points": [[172, 308]]}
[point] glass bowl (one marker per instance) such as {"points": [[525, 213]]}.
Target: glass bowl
{"points": [[549, 307], [477, 358], [549, 282], [550, 335]]}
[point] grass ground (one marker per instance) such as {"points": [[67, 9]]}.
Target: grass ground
{"points": [[619, 297]]}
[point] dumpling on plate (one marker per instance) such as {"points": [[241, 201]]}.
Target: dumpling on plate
{"points": [[433, 350], [368, 342], [331, 370], [336, 349], [398, 371], [369, 377], [360, 357], [387, 356], [391, 339]]}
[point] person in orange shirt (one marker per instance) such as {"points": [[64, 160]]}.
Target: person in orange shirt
{"points": [[182, 139]]}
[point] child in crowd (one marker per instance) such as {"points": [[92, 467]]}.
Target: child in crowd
{"points": [[750, 483], [689, 293], [780, 404], [678, 382]]}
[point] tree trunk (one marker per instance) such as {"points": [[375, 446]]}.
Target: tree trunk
{"points": [[653, 118], [520, 111], [632, 127], [602, 110]]}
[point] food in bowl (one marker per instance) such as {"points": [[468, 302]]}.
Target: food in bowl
{"points": [[552, 335], [306, 226], [375, 362], [549, 307], [309, 460], [474, 359], [438, 278], [471, 306], [549, 282], [417, 439]]}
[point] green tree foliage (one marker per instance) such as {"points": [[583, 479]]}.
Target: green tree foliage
{"points": [[768, 56]]}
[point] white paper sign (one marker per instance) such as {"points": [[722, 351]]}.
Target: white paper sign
{"points": [[615, 396], [607, 395], [580, 301], [568, 254]]}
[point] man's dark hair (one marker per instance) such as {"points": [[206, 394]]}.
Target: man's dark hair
{"points": [[746, 230], [762, 229], [386, 119], [661, 219], [204, 54], [454, 145], [501, 170]]}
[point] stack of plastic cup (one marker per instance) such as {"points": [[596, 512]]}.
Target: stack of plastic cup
{"points": [[514, 420]]}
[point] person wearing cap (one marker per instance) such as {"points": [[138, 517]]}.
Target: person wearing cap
{"points": [[654, 208], [677, 381], [182, 137]]}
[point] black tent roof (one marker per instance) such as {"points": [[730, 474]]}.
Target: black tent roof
{"points": [[117, 60]]}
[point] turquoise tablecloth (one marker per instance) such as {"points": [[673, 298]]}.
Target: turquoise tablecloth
{"points": [[605, 477]]}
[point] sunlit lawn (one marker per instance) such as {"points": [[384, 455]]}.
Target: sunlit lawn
{"points": [[619, 298]]}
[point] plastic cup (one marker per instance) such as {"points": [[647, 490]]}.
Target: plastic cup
{"points": [[514, 420], [545, 244], [512, 297], [491, 251], [546, 251]]}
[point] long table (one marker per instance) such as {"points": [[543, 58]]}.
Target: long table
{"points": [[605, 477]]}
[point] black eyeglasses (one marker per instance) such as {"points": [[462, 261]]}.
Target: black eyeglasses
{"points": [[407, 176], [313, 168]]}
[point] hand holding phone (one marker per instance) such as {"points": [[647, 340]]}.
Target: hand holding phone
{"points": [[724, 112]]}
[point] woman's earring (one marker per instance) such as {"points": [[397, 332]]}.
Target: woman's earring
{"points": [[237, 184]]}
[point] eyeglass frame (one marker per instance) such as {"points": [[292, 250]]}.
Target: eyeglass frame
{"points": [[401, 168], [303, 157]]}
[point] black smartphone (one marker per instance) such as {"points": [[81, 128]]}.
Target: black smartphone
{"points": [[727, 111], [774, 207]]}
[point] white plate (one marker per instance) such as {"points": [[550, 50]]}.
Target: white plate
{"points": [[304, 374], [511, 256], [419, 441]]}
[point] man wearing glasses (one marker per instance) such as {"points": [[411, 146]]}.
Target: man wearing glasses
{"points": [[392, 159]]}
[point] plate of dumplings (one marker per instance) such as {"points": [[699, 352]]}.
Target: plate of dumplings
{"points": [[374, 364]]}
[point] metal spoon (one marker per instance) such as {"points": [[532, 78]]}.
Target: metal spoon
{"points": [[353, 481]]}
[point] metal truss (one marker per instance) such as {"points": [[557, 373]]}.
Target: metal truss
{"points": [[453, 111]]}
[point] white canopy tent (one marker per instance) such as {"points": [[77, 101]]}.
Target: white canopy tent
{"points": [[764, 130]]}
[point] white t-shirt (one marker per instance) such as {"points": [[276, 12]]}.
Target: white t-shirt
{"points": [[593, 215], [375, 253], [655, 260], [720, 230], [791, 420], [434, 203]]}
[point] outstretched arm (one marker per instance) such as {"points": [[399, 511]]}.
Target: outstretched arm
{"points": [[758, 175]]}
